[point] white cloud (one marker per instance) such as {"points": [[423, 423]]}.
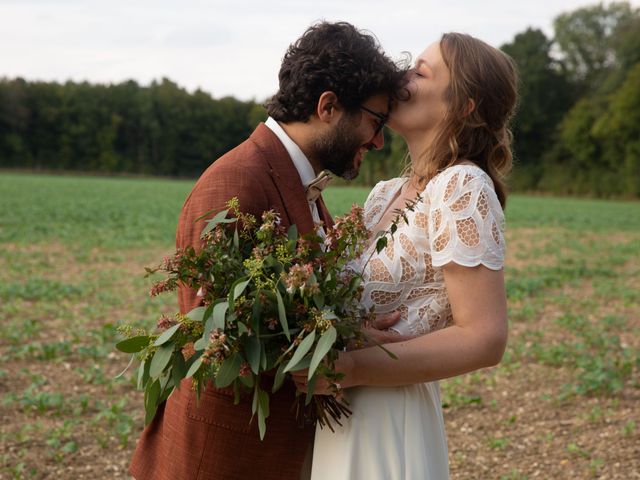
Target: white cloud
{"points": [[228, 47]]}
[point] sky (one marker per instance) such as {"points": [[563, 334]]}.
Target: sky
{"points": [[229, 47]]}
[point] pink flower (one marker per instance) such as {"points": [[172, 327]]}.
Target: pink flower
{"points": [[158, 288], [245, 370], [165, 322], [188, 351], [297, 277], [167, 263], [272, 323]]}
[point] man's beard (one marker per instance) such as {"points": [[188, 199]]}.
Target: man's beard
{"points": [[336, 151]]}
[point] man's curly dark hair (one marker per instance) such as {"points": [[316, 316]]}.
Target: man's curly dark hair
{"points": [[334, 57]]}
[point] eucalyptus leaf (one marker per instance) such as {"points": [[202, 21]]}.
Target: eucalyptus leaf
{"points": [[201, 343], [133, 344], [141, 370], [210, 323], [325, 343], [211, 212], [311, 386], [219, 218], [197, 314], [253, 350], [179, 368], [282, 315], [247, 381], [262, 424], [228, 371], [165, 379], [318, 300], [219, 313], [166, 392], [302, 364], [263, 412], [207, 318], [301, 351], [161, 359], [354, 284], [167, 335], [263, 359], [151, 396], [237, 288], [263, 399], [328, 314], [125, 368], [387, 351], [194, 368], [381, 244], [254, 404], [279, 378], [292, 233], [256, 313]]}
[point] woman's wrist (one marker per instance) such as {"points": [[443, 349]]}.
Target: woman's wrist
{"points": [[347, 366]]}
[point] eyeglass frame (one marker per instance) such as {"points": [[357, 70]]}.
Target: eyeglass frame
{"points": [[384, 118]]}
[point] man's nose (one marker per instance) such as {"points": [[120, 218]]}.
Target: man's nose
{"points": [[378, 139]]}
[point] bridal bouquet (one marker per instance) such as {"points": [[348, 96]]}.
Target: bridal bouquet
{"points": [[272, 303]]}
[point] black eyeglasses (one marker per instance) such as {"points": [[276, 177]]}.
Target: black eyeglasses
{"points": [[382, 118]]}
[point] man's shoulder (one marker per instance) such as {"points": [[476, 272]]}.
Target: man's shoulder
{"points": [[253, 154]]}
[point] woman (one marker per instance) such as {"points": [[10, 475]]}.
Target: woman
{"points": [[442, 269]]}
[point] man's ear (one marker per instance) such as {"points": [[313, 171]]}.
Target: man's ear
{"points": [[328, 107]]}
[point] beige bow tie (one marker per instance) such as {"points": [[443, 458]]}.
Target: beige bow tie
{"points": [[314, 189]]}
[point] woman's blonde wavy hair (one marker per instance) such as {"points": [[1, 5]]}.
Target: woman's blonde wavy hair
{"points": [[487, 76]]}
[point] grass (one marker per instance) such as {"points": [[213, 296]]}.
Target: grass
{"points": [[72, 257]]}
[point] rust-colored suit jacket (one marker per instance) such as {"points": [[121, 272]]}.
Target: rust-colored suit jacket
{"points": [[213, 439]]}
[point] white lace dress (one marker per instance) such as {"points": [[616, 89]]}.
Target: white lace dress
{"points": [[397, 433]]}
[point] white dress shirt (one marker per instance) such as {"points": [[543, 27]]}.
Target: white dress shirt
{"points": [[301, 162]]}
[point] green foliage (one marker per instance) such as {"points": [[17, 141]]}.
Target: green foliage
{"points": [[545, 96], [59, 364], [587, 37], [602, 363], [576, 131], [160, 129], [113, 213]]}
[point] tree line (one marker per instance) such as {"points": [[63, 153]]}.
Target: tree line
{"points": [[577, 129], [160, 129]]}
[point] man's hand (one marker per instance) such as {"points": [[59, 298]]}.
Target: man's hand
{"points": [[324, 386]]}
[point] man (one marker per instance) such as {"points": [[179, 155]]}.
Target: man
{"points": [[333, 100]]}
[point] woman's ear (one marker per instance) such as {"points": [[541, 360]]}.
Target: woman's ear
{"points": [[327, 107], [471, 106]]}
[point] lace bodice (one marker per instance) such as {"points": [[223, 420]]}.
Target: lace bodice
{"points": [[459, 219]]}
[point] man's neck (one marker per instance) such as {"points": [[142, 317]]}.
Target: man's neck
{"points": [[301, 134]]}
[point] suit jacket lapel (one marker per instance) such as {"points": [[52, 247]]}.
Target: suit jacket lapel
{"points": [[285, 177]]}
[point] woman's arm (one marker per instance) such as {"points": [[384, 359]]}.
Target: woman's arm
{"points": [[476, 339]]}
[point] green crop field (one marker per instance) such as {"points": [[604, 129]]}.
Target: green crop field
{"points": [[564, 403]]}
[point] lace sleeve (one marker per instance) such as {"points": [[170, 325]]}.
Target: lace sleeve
{"points": [[377, 201], [466, 219]]}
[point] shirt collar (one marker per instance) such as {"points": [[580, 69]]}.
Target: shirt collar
{"points": [[300, 160]]}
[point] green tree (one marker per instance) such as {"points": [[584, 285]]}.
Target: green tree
{"points": [[618, 131], [587, 40], [544, 97]]}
